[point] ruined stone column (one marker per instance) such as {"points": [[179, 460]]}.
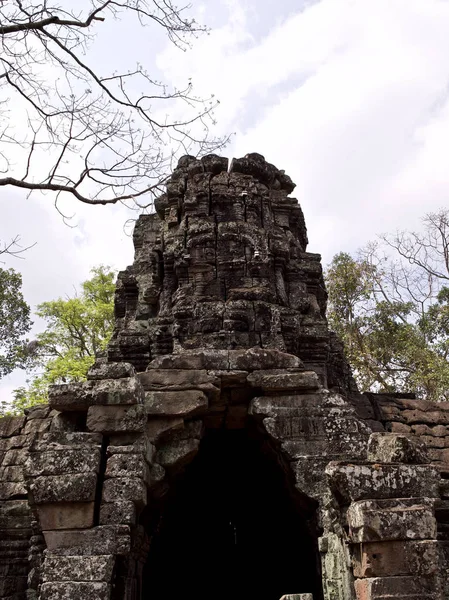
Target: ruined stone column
{"points": [[220, 327]]}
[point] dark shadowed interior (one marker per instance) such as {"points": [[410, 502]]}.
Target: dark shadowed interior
{"points": [[230, 528]]}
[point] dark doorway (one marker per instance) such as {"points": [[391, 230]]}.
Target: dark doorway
{"points": [[230, 529]]}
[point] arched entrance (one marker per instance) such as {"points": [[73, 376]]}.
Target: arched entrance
{"points": [[231, 526]]}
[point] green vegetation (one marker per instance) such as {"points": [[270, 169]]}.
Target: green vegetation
{"points": [[390, 306], [14, 322], [77, 329]]}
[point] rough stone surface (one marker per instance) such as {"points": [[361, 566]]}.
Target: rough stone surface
{"points": [[221, 329]]}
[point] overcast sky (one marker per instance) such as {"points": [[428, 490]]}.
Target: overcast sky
{"points": [[350, 97]]}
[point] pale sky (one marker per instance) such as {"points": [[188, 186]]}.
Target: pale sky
{"points": [[350, 97]]}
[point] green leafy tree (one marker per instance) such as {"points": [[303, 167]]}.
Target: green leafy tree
{"points": [[14, 322], [77, 330], [390, 306]]}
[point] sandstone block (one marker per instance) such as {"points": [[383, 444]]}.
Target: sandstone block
{"points": [[17, 441], [11, 474], [403, 588], [59, 440], [41, 411], [211, 359], [177, 453], [184, 403], [111, 419], [10, 490], [302, 380], [64, 488], [405, 519], [15, 457], [119, 512], [68, 590], [371, 481], [392, 558], [176, 379], [70, 515], [79, 396], [127, 465], [63, 461], [10, 426], [125, 488], [261, 359], [396, 448], [78, 568], [142, 448], [105, 539], [102, 369], [158, 427]]}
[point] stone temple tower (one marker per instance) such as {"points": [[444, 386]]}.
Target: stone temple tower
{"points": [[222, 449]]}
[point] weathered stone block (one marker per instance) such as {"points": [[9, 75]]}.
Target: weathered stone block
{"points": [[198, 360], [127, 465], [177, 453], [15, 457], [158, 427], [10, 426], [404, 519], [78, 568], [79, 396], [64, 488], [125, 488], [11, 490], [302, 380], [392, 558], [70, 515], [63, 461], [183, 403], [396, 448], [69, 590], [262, 358], [402, 588], [365, 481], [111, 419], [59, 440], [17, 441], [102, 369], [36, 426], [119, 512], [176, 379], [105, 539], [14, 474]]}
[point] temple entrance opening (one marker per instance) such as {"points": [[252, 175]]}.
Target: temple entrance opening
{"points": [[232, 526]]}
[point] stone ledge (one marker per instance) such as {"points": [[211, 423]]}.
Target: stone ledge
{"points": [[384, 520], [362, 481]]}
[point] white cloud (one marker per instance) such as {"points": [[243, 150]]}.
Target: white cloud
{"points": [[350, 97]]}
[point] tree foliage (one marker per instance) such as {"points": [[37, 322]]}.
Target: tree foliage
{"points": [[77, 330], [390, 306], [67, 127], [14, 322]]}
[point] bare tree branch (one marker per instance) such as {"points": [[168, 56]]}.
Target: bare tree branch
{"points": [[101, 141]]}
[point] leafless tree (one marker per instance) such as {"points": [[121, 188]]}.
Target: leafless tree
{"points": [[13, 248], [411, 266], [99, 140]]}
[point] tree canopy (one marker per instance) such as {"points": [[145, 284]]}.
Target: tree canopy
{"points": [[78, 329], [14, 322], [70, 128], [390, 306]]}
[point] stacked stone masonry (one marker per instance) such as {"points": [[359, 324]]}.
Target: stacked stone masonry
{"points": [[221, 328]]}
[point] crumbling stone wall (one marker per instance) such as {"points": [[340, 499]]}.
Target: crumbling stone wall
{"points": [[220, 324]]}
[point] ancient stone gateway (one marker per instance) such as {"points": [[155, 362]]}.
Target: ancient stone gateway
{"points": [[222, 449]]}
